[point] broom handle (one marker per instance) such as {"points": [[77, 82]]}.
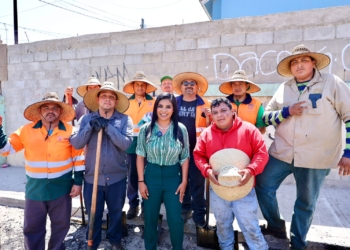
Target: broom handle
{"points": [[94, 191]]}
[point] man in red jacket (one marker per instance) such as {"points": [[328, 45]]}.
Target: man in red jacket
{"points": [[229, 131]]}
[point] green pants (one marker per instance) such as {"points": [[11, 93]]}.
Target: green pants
{"points": [[162, 182]]}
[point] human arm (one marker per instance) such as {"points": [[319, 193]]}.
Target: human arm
{"points": [[12, 144], [80, 138], [202, 160], [140, 162], [182, 187], [121, 138], [184, 161], [259, 120], [260, 155]]}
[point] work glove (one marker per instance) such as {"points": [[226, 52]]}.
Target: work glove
{"points": [[99, 123]]}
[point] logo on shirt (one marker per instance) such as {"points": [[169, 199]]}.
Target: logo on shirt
{"points": [[61, 139], [150, 103], [250, 106], [187, 112], [117, 123]]}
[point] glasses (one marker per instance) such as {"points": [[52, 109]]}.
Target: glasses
{"points": [[192, 83]]}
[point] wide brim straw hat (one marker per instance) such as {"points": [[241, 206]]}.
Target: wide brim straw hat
{"points": [[238, 76], [90, 98], [322, 60], [139, 77], [201, 81], [224, 161], [32, 113], [81, 90]]}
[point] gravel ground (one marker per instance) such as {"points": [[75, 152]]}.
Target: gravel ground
{"points": [[11, 237]]}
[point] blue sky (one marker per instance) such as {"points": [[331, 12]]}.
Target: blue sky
{"points": [[54, 19]]}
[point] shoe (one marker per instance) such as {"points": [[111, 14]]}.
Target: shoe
{"points": [[118, 247], [186, 215], [281, 234], [201, 224], [132, 212]]}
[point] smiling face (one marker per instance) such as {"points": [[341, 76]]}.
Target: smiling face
{"points": [[302, 68], [189, 88], [50, 112], [222, 116], [107, 100], [165, 110], [140, 88]]}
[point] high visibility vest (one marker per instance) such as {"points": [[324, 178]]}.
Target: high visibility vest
{"points": [[248, 109], [140, 114]]}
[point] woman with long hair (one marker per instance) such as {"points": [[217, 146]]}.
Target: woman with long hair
{"points": [[164, 141]]}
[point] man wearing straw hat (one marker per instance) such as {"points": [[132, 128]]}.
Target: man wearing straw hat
{"points": [[193, 113], [308, 111], [140, 111], [230, 152], [54, 169], [246, 107], [107, 106], [80, 109]]}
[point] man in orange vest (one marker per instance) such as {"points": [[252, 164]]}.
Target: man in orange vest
{"points": [[54, 169], [247, 108], [140, 111], [194, 112]]}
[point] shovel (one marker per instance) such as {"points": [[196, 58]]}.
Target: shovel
{"points": [[206, 237], [94, 191]]}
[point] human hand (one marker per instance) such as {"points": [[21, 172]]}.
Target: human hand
{"points": [[213, 176], [344, 166], [246, 175], [181, 189], [143, 190], [68, 91], [297, 108], [99, 123], [75, 191], [206, 111]]}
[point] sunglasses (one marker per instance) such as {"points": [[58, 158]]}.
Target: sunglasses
{"points": [[189, 83]]}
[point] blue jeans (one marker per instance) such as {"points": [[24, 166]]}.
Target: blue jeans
{"points": [[245, 210], [308, 185], [195, 188], [114, 196]]}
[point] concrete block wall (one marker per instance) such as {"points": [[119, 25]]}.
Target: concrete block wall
{"points": [[215, 49]]}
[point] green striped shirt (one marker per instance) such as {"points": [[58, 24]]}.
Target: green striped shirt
{"points": [[163, 150]]}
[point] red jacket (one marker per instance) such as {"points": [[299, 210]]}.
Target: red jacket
{"points": [[242, 135]]}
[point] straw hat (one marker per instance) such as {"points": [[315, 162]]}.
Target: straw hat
{"points": [[81, 90], [139, 77], [90, 98], [227, 162], [199, 79], [32, 113], [322, 60], [238, 76]]}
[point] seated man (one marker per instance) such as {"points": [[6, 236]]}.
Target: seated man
{"points": [[228, 131]]}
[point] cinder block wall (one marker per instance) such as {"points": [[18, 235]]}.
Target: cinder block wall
{"points": [[215, 49]]}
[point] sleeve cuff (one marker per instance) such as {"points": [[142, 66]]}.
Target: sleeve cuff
{"points": [[346, 153], [285, 112], [78, 178]]}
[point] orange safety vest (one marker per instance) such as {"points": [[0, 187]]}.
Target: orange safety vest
{"points": [[248, 110], [140, 114], [200, 120], [46, 158]]}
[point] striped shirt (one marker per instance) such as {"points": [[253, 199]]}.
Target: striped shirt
{"points": [[163, 150]]}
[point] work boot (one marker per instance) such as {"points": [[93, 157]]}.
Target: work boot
{"points": [[132, 212], [278, 233]]}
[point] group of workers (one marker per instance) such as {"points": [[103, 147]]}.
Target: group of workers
{"points": [[164, 148]]}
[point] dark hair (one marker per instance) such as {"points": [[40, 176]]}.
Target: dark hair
{"points": [[216, 102], [174, 116]]}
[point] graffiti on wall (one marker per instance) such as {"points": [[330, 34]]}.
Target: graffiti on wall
{"points": [[225, 64], [107, 73]]}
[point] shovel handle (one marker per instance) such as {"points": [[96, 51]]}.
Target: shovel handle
{"points": [[94, 191]]}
